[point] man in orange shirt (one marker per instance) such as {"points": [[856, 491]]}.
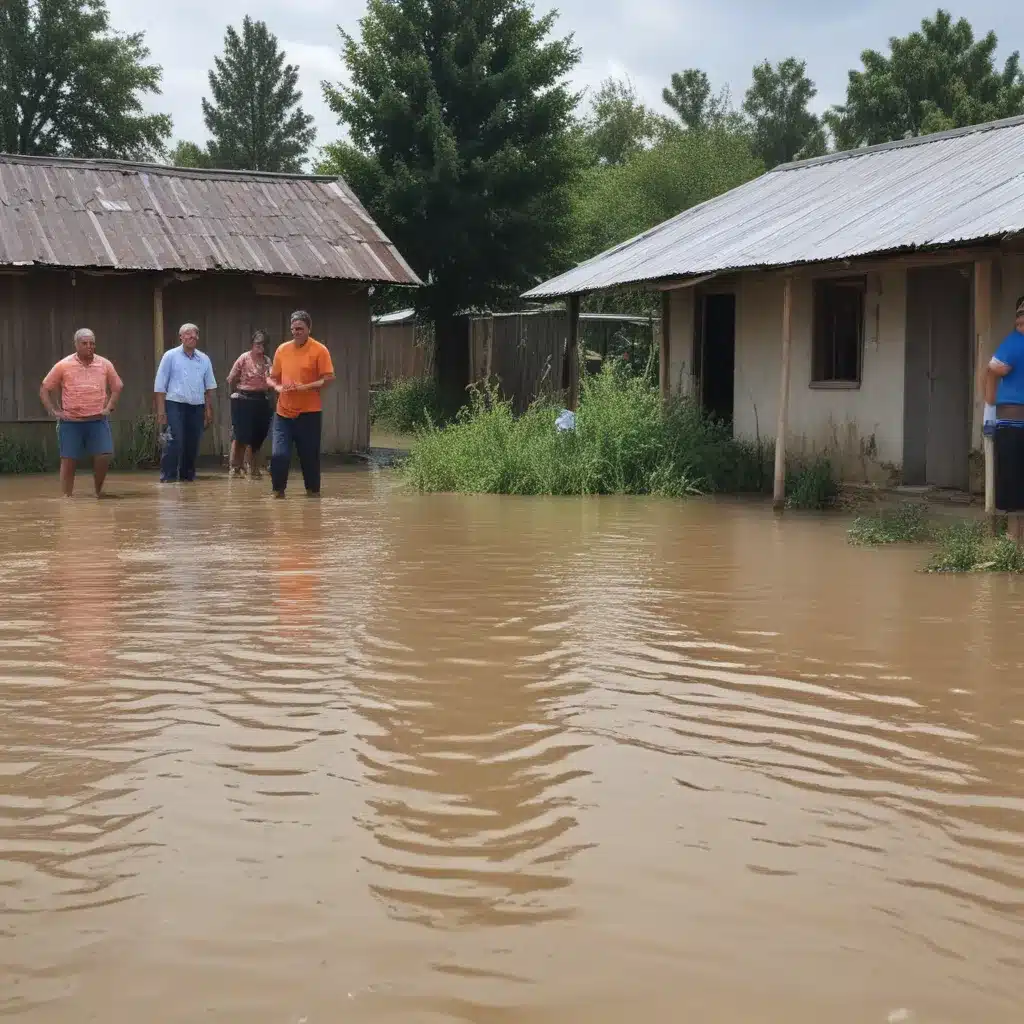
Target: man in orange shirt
{"points": [[301, 368], [89, 388]]}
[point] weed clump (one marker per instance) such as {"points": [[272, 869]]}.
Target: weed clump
{"points": [[812, 486], [907, 523], [21, 457], [626, 440], [407, 405], [966, 547]]}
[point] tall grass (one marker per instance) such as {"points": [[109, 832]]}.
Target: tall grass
{"points": [[405, 406], [966, 547], [626, 441], [23, 457], [137, 445]]}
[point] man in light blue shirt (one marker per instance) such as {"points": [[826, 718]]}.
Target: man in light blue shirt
{"points": [[184, 402]]}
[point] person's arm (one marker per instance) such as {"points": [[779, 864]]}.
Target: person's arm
{"points": [[326, 370], [160, 385], [115, 386], [235, 373], [274, 377], [210, 383], [997, 369], [51, 382]]}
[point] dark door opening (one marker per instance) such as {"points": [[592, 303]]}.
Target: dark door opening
{"points": [[938, 382], [715, 354]]}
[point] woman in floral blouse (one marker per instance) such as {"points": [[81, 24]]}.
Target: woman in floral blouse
{"points": [[250, 406]]}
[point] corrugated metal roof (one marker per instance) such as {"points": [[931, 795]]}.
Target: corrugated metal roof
{"points": [[941, 190], [104, 213]]}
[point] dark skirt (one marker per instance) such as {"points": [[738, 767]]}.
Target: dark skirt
{"points": [[1009, 451], [250, 419]]}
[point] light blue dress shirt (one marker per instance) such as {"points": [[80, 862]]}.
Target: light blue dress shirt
{"points": [[185, 378]]}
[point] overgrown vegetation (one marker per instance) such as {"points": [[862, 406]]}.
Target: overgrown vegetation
{"points": [[405, 406], [812, 485], [22, 457], [137, 445], [907, 523], [625, 441], [967, 547]]}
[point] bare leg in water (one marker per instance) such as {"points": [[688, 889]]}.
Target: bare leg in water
{"points": [[237, 457]]}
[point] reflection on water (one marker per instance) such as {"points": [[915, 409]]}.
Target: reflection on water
{"points": [[384, 757]]}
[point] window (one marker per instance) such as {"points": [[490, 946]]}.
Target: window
{"points": [[838, 331]]}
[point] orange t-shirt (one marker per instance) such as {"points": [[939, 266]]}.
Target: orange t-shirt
{"points": [[294, 365]]}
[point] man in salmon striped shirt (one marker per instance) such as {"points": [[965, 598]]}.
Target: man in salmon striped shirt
{"points": [[89, 388]]}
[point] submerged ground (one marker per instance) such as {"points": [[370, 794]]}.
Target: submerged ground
{"points": [[395, 757]]}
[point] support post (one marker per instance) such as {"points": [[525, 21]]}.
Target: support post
{"points": [[665, 347], [984, 347], [779, 492], [158, 323], [573, 384]]}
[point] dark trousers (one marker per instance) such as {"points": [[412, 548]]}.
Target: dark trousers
{"points": [[185, 423], [303, 431]]}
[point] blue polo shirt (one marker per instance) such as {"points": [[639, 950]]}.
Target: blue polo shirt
{"points": [[184, 378]]}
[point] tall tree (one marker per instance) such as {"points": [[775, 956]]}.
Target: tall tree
{"points": [[254, 117], [934, 79], [70, 86], [781, 126], [463, 147], [189, 154], [617, 124], [689, 95]]}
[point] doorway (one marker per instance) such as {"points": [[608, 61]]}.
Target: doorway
{"points": [[938, 384], [715, 353]]}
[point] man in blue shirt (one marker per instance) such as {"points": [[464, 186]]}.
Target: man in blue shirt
{"points": [[1004, 389], [184, 402]]}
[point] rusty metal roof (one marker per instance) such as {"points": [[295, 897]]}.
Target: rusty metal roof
{"points": [[105, 213], [940, 190]]}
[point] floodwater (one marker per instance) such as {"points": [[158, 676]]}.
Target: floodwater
{"points": [[395, 758]]}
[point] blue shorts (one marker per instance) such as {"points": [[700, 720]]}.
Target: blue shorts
{"points": [[79, 438]]}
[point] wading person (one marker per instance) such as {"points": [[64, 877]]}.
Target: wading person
{"points": [[301, 368], [184, 390], [1004, 388], [250, 406], [89, 387]]}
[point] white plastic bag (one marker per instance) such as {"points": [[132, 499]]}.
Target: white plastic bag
{"points": [[566, 420]]}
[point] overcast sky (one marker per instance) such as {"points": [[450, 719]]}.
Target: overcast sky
{"points": [[644, 39]]}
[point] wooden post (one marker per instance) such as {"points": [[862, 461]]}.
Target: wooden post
{"points": [[158, 324], [779, 492], [573, 389], [984, 347], [665, 349]]}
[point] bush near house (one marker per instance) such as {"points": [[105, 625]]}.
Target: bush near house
{"points": [[626, 440], [407, 405]]}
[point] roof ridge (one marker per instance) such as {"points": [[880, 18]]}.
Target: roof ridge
{"points": [[103, 163], [917, 140]]}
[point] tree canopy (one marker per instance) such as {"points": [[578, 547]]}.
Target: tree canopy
{"points": [[70, 86], [254, 117], [781, 126], [934, 79], [617, 125], [463, 146]]}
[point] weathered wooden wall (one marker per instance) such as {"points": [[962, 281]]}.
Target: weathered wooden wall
{"points": [[399, 351], [41, 309]]}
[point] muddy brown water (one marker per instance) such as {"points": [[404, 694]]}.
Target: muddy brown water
{"points": [[394, 758]]}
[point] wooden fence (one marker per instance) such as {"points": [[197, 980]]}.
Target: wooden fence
{"points": [[400, 350]]}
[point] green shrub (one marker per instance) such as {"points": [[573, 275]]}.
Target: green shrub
{"points": [[962, 548], [906, 524], [137, 445], [21, 457], [405, 406], [812, 485], [626, 441]]}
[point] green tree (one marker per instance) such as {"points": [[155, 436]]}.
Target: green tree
{"points": [[463, 146], [254, 117], [189, 154], [617, 124], [781, 126], [70, 86], [932, 80], [614, 203], [689, 95]]}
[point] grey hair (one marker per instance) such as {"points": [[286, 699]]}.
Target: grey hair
{"points": [[188, 327], [83, 332]]}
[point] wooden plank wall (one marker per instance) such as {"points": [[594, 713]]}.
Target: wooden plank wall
{"points": [[399, 351], [40, 311]]}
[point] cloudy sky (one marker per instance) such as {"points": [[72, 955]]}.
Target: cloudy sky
{"points": [[644, 39]]}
